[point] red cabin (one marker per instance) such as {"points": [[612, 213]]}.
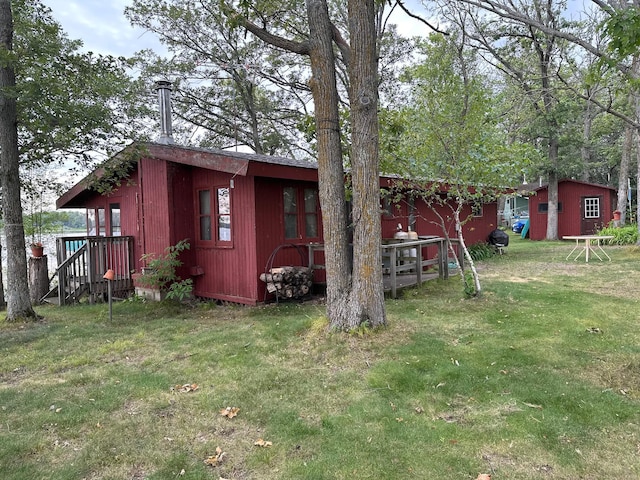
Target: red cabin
{"points": [[583, 208], [235, 209]]}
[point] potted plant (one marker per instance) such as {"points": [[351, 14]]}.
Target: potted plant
{"points": [[37, 249]]}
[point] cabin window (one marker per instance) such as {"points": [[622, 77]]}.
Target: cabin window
{"points": [[114, 220], [311, 212], [214, 215], [204, 201], [223, 214], [387, 207], [290, 212], [412, 213], [544, 207], [301, 213], [96, 224], [592, 207]]}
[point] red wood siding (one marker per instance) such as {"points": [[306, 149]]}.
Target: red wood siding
{"points": [[570, 195], [180, 201], [155, 219], [427, 222], [269, 209], [159, 207]]}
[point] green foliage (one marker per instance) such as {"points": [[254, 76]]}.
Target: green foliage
{"points": [[245, 82], [160, 271], [70, 102], [38, 223], [623, 28], [180, 290], [627, 235], [481, 251], [449, 130]]}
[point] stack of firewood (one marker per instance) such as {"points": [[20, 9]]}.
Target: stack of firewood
{"points": [[288, 282]]}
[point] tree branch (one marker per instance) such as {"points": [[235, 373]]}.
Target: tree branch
{"points": [[419, 18]]}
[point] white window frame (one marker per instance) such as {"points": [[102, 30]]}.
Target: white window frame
{"points": [[592, 207]]}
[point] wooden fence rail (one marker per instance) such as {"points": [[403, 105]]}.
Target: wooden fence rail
{"points": [[83, 261], [403, 258]]}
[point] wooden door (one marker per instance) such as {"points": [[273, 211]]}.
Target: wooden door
{"points": [[591, 214]]}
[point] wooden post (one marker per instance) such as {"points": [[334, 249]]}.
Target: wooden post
{"points": [[38, 278]]}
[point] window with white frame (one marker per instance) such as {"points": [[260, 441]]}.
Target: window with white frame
{"points": [[214, 215], [592, 207]]}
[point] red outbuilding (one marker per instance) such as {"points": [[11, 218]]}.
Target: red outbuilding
{"points": [[583, 208]]}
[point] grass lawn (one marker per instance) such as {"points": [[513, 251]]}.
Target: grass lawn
{"points": [[538, 379]]}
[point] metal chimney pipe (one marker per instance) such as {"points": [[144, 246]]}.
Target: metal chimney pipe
{"points": [[163, 87]]}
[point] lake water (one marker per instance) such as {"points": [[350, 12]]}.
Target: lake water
{"points": [[49, 242]]}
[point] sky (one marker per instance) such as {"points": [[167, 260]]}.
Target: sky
{"points": [[103, 28], [101, 25]]}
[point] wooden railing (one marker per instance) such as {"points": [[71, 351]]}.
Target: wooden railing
{"points": [[83, 261], [405, 257]]}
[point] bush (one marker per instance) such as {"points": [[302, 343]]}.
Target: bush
{"points": [[627, 235], [481, 251], [160, 272]]}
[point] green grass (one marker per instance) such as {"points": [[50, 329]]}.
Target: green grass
{"points": [[539, 378]]}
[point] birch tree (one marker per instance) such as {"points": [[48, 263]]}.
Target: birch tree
{"points": [[455, 153]]}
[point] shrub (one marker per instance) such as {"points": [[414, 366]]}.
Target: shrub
{"points": [[160, 272], [627, 235], [481, 251]]}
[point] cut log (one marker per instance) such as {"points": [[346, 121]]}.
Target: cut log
{"points": [[38, 278], [288, 281]]}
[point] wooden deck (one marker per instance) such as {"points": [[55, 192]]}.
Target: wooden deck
{"points": [[82, 263]]}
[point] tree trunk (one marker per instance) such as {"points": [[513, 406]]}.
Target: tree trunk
{"points": [[585, 150], [348, 305], [625, 162], [552, 192], [367, 305], [3, 304], [627, 146], [38, 278], [330, 169], [18, 303]]}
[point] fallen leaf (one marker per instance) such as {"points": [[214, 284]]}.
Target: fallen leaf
{"points": [[533, 405], [419, 410], [215, 460], [262, 443], [187, 387], [484, 476], [229, 412]]}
